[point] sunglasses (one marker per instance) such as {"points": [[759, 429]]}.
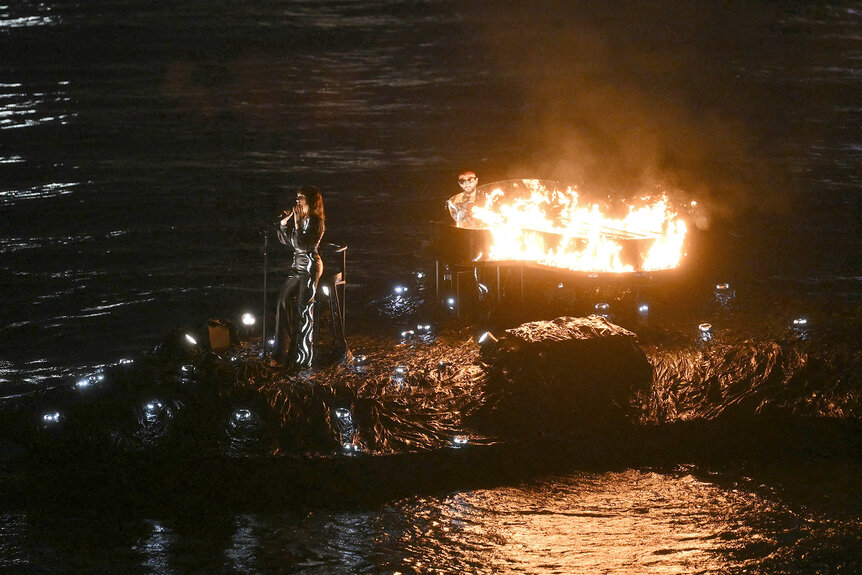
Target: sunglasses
{"points": [[466, 180]]}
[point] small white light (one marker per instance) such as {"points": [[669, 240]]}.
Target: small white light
{"points": [[86, 382], [187, 368], [407, 333], [451, 301], [800, 322], [154, 406], [419, 275], [400, 289], [51, 417], [126, 361], [459, 441], [191, 339], [325, 290], [560, 285], [270, 342], [248, 319], [602, 307], [359, 359], [399, 373], [705, 331], [724, 294], [592, 275], [643, 308], [344, 416], [242, 415]]}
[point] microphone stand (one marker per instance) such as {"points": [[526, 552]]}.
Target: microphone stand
{"points": [[265, 268]]}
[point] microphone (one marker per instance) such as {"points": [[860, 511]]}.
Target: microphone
{"points": [[284, 214], [269, 222]]}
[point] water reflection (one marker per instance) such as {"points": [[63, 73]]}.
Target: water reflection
{"points": [[627, 522], [245, 545], [631, 521], [155, 549]]}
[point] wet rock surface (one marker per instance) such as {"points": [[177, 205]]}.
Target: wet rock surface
{"points": [[566, 375]]}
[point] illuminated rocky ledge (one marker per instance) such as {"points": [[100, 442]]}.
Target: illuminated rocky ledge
{"points": [[568, 377]]}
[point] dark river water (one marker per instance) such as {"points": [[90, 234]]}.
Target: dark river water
{"points": [[143, 143]]}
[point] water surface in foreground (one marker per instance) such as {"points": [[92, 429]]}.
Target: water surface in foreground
{"points": [[630, 521]]}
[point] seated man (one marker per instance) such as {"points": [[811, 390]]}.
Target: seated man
{"points": [[461, 205]]}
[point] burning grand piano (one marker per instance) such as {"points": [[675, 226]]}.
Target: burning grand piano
{"points": [[538, 225]]}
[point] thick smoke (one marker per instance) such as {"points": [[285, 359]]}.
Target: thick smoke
{"points": [[621, 98]]}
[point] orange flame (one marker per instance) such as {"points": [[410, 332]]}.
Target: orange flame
{"points": [[551, 227]]}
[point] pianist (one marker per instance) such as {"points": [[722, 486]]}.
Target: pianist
{"points": [[461, 205]]}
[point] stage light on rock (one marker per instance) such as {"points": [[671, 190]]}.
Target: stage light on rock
{"points": [[724, 294], [704, 331], [248, 319], [344, 424], [486, 340], [459, 441], [643, 313], [153, 410], [344, 417], [800, 326], [351, 449], [89, 381], [191, 339], [243, 419], [400, 372], [51, 419], [603, 309]]}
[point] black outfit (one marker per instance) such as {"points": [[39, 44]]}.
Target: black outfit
{"points": [[294, 317]]}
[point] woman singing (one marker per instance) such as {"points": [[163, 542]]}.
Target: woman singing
{"points": [[294, 316]]}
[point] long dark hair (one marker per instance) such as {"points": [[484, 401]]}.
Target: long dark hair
{"points": [[314, 199]]}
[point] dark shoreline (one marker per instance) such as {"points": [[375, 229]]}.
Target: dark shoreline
{"points": [[814, 460]]}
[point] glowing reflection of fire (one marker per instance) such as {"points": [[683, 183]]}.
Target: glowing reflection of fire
{"points": [[532, 220]]}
